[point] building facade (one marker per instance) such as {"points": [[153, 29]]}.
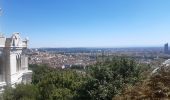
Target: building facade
{"points": [[13, 61]]}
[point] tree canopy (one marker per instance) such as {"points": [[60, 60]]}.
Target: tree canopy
{"points": [[100, 81]]}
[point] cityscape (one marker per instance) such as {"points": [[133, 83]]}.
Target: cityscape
{"points": [[67, 57], [84, 50]]}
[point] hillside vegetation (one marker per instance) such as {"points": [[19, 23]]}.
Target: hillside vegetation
{"points": [[106, 80], [155, 87]]}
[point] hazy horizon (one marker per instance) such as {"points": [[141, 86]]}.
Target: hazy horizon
{"points": [[104, 47], [88, 23]]}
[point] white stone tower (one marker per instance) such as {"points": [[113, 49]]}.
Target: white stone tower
{"points": [[13, 61]]}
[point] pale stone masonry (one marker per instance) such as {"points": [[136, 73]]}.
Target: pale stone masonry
{"points": [[13, 61]]}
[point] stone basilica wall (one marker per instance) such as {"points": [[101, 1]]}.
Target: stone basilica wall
{"points": [[13, 61]]}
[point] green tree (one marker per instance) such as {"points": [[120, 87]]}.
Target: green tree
{"points": [[21, 92], [108, 78], [154, 87], [57, 83]]}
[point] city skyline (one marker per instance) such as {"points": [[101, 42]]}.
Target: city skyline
{"points": [[88, 23]]}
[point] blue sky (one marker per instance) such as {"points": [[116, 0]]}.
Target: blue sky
{"points": [[88, 23]]}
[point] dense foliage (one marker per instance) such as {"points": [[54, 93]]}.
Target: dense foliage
{"points": [[108, 78], [56, 84], [156, 87], [101, 81], [21, 92]]}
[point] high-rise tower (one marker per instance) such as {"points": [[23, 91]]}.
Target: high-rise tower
{"points": [[166, 51]]}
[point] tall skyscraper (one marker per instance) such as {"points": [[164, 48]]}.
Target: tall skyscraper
{"points": [[166, 51]]}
